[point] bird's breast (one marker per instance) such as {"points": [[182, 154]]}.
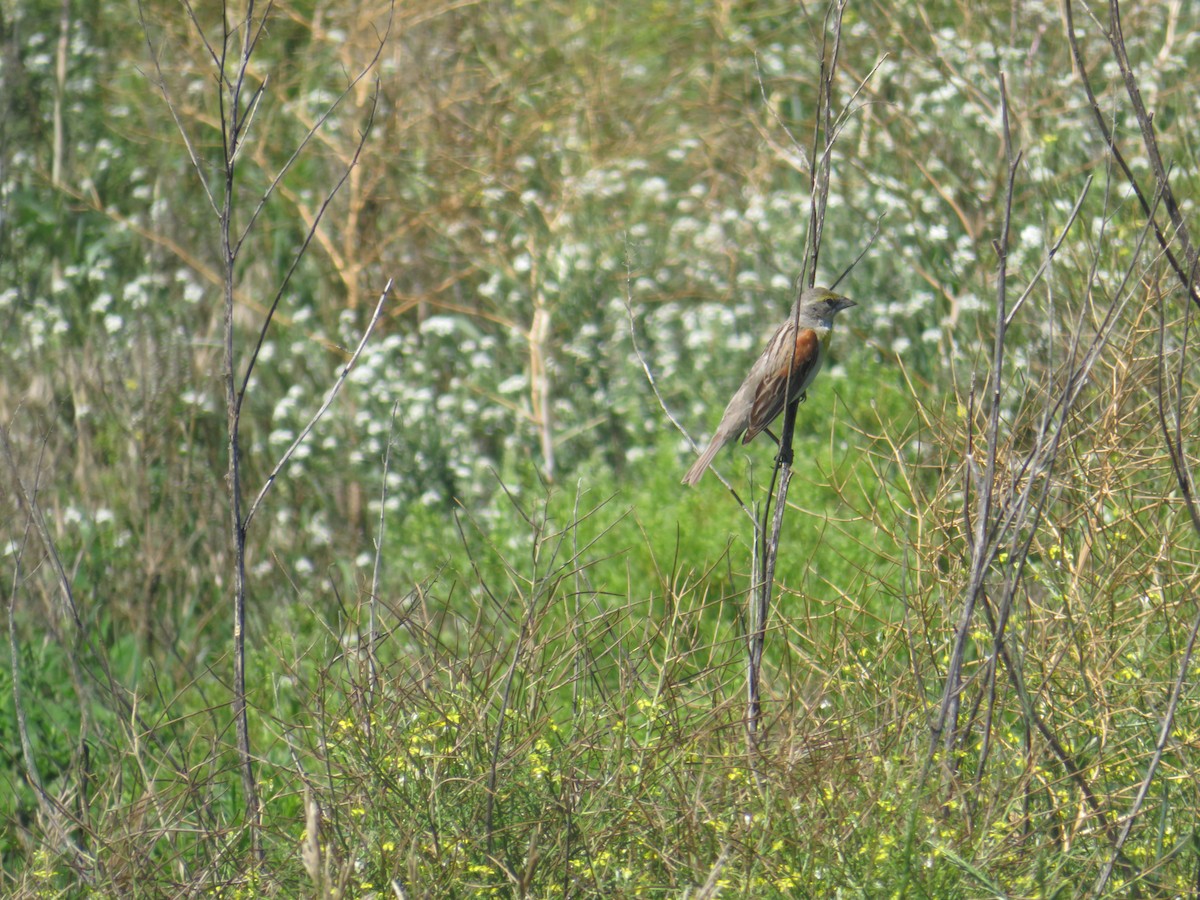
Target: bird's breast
{"points": [[808, 349]]}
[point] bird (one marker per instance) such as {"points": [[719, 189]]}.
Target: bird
{"points": [[782, 373]]}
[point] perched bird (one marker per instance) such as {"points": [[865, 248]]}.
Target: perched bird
{"points": [[782, 373]]}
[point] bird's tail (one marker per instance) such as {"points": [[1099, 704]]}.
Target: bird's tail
{"points": [[700, 465]]}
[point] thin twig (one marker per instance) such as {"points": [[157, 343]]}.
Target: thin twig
{"points": [[330, 396], [161, 84], [1049, 256], [300, 253], [1187, 278], [1173, 438], [1116, 39], [316, 127], [662, 403], [870, 243], [983, 551]]}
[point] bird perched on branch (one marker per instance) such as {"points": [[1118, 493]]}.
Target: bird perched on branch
{"points": [[781, 374]]}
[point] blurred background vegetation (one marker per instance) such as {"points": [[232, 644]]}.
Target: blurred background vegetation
{"points": [[495, 648]]}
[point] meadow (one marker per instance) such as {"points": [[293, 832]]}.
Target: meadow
{"points": [[352, 357]]}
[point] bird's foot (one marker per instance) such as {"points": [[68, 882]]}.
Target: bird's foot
{"points": [[784, 459]]}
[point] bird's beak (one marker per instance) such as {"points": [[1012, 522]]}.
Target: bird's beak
{"points": [[845, 303]]}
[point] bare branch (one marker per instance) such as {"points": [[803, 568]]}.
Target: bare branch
{"points": [[983, 549], [1183, 478], [1049, 257], [316, 127], [766, 544], [299, 255], [161, 83], [1186, 277], [662, 403], [329, 398], [870, 243]]}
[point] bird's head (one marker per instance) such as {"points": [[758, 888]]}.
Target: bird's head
{"points": [[822, 304]]}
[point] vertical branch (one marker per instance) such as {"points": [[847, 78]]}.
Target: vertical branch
{"points": [[823, 133], [1184, 269], [232, 134], [1021, 510], [759, 600], [1116, 39], [766, 545], [982, 546], [237, 101], [60, 90], [1172, 433], [539, 380], [1010, 518]]}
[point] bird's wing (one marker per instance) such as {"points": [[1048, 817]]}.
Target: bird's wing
{"points": [[791, 369]]}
